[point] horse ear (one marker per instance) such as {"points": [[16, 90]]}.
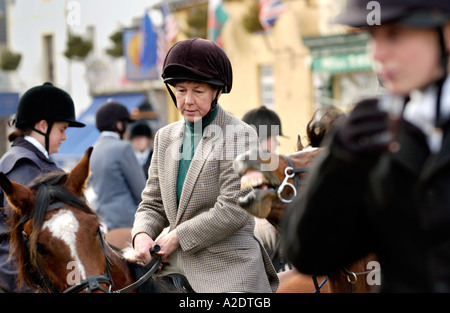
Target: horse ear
{"points": [[19, 197], [300, 146], [77, 177]]}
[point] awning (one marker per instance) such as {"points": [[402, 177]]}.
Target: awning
{"points": [[79, 139], [342, 63], [8, 103]]}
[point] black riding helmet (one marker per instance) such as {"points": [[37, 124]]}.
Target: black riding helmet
{"points": [[45, 102], [108, 114], [140, 129], [263, 116], [199, 60], [424, 14], [413, 13]]}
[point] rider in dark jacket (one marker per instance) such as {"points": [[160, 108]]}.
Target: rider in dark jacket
{"points": [[382, 184], [43, 114]]}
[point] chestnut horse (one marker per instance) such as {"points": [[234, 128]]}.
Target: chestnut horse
{"points": [[56, 239], [275, 180]]}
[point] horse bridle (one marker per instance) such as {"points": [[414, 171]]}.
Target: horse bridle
{"points": [[290, 172], [90, 283]]}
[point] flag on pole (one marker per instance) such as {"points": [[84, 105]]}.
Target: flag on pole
{"points": [[161, 50], [269, 12], [217, 16], [166, 35], [171, 27], [139, 47], [147, 55]]}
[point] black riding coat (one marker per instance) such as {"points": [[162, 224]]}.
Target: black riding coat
{"points": [[397, 205]]}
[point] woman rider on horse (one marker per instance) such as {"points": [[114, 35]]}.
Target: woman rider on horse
{"points": [[43, 115]]}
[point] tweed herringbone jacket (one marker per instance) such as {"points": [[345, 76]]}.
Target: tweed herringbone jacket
{"points": [[218, 251]]}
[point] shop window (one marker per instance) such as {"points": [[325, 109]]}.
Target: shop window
{"points": [[352, 86], [266, 83]]}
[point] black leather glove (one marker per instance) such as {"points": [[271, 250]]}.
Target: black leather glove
{"points": [[365, 131]]}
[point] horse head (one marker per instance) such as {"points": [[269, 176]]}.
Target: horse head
{"points": [[274, 180], [57, 242], [56, 239]]}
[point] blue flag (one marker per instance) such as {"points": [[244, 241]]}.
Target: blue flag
{"points": [[147, 55]]}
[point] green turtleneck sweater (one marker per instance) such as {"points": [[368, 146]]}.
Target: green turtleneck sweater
{"points": [[191, 139]]}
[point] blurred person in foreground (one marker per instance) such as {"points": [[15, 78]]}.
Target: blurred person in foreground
{"points": [[43, 115], [192, 188], [382, 183]]}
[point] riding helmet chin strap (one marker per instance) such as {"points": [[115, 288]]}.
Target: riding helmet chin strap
{"points": [[213, 103], [172, 95], [46, 135], [122, 131], [440, 82]]}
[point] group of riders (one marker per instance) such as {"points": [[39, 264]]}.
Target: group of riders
{"points": [[380, 184]]}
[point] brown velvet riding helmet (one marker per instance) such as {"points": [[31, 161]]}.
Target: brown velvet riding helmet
{"points": [[200, 60]]}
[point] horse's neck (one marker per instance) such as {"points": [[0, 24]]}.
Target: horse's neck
{"points": [[305, 157], [340, 282], [120, 271]]}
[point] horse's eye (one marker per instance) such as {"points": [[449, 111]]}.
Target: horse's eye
{"points": [[41, 249]]}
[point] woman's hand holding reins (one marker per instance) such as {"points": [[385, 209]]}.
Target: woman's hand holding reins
{"points": [[142, 245], [168, 243]]}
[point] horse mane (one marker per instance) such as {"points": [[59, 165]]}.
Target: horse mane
{"points": [[155, 284], [322, 121], [49, 189]]}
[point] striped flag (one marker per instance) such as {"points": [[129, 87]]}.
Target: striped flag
{"points": [[166, 35], [161, 50], [171, 27], [269, 11], [216, 20]]}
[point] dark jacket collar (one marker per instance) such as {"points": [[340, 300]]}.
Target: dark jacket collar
{"points": [[21, 142]]}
